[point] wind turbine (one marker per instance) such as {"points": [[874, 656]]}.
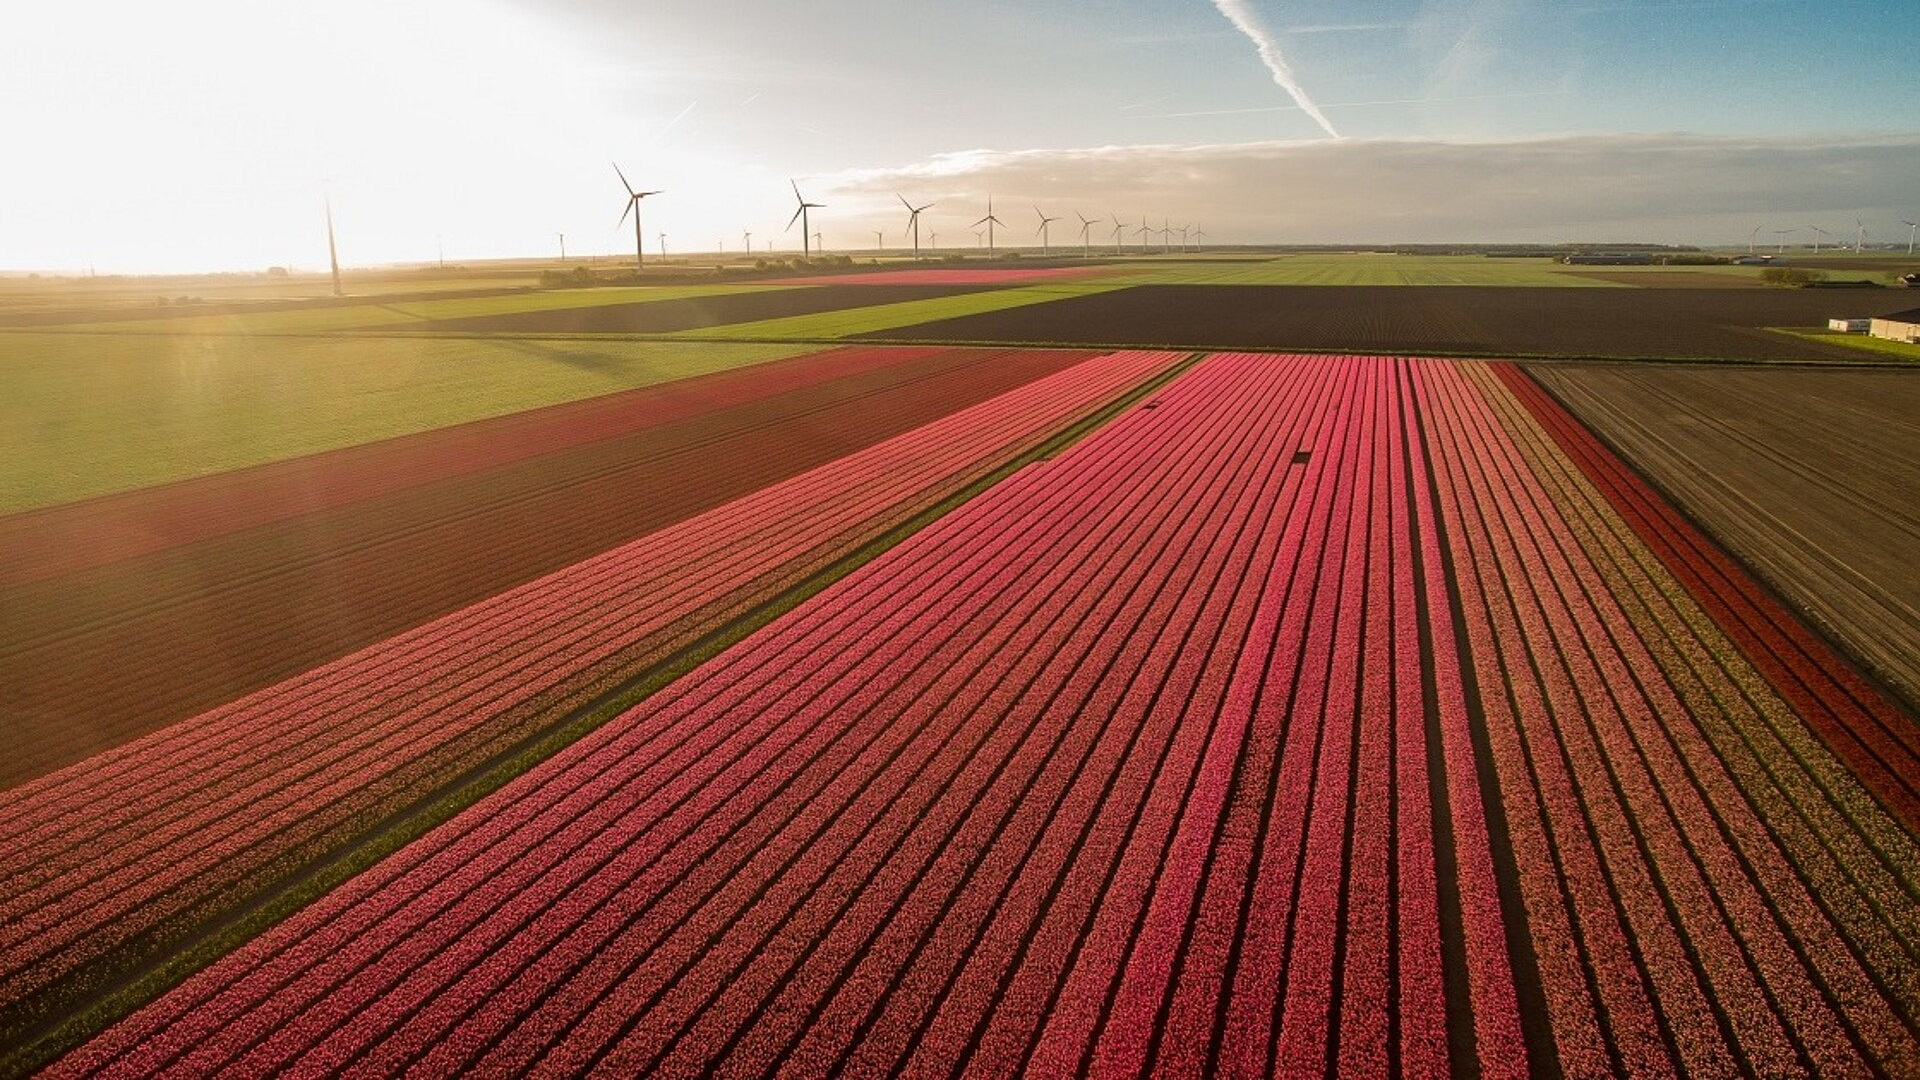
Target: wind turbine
{"points": [[746, 240], [1119, 235], [1911, 229], [1819, 232], [1086, 235], [1197, 234], [979, 237], [333, 256], [933, 240], [913, 220], [663, 247], [800, 215], [818, 245], [1183, 230], [1860, 245], [880, 239], [1751, 235], [563, 247], [1782, 234], [1044, 222], [989, 221], [633, 207], [1146, 230]]}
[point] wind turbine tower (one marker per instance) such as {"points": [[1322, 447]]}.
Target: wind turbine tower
{"points": [[333, 254], [633, 207], [880, 239], [1086, 235], [1782, 234], [563, 247], [1860, 244], [913, 220], [1912, 228], [1197, 234], [1044, 222], [1119, 235], [1751, 235], [800, 215], [989, 221], [1818, 232]]}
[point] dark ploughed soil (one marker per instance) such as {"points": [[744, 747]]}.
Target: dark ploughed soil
{"points": [[1806, 475], [694, 313], [1474, 320]]}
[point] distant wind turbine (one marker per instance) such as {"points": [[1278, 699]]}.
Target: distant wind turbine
{"points": [[663, 247], [333, 255], [563, 247], [1860, 245], [800, 215], [633, 207], [989, 221], [1818, 233], [746, 240], [1042, 231], [979, 238], [1119, 235], [880, 239], [1751, 235], [913, 220], [1782, 234], [1146, 230], [1086, 234], [1183, 229], [1197, 234], [933, 240], [1911, 229], [818, 245]]}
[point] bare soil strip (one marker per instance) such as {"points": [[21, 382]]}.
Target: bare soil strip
{"points": [[1460, 320], [695, 313], [1808, 476]]}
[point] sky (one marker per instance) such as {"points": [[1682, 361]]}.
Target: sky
{"points": [[209, 134]]}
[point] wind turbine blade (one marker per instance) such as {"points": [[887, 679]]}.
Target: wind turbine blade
{"points": [[796, 216], [905, 203], [623, 214], [797, 197], [623, 178]]}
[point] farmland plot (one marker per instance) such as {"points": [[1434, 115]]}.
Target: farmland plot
{"points": [[127, 613], [1320, 713], [131, 857]]}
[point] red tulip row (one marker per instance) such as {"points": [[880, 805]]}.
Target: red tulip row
{"points": [[44, 543], [181, 823], [1004, 800], [1702, 949]]}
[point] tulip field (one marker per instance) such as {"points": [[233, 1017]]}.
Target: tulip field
{"points": [[1314, 715]]}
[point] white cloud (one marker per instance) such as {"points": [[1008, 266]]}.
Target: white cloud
{"points": [[1672, 188]]}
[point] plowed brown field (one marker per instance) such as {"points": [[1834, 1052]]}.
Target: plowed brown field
{"points": [[1629, 323]]}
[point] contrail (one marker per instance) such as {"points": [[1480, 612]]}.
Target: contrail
{"points": [[662, 133], [1244, 21]]}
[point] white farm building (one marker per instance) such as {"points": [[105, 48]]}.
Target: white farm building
{"points": [[1899, 326]]}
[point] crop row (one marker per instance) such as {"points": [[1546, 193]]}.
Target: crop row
{"points": [[1124, 766], [1671, 926], [1318, 715], [142, 643], [146, 841]]}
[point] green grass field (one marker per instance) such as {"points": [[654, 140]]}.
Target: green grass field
{"points": [[380, 315], [860, 320], [87, 414], [1865, 343]]}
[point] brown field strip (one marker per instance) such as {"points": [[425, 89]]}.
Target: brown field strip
{"points": [[1808, 476], [1467, 320], [97, 655], [695, 313]]}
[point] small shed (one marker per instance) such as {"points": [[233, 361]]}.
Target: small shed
{"points": [[1850, 326], [1899, 326]]}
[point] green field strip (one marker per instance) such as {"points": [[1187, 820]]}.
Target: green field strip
{"points": [[434, 808], [376, 315], [1865, 343], [833, 325], [87, 414]]}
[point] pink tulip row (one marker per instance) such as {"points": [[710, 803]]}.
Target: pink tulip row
{"points": [[177, 824], [1641, 860], [1124, 766]]}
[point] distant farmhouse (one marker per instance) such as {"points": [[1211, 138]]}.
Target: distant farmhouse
{"points": [[1899, 326]]}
